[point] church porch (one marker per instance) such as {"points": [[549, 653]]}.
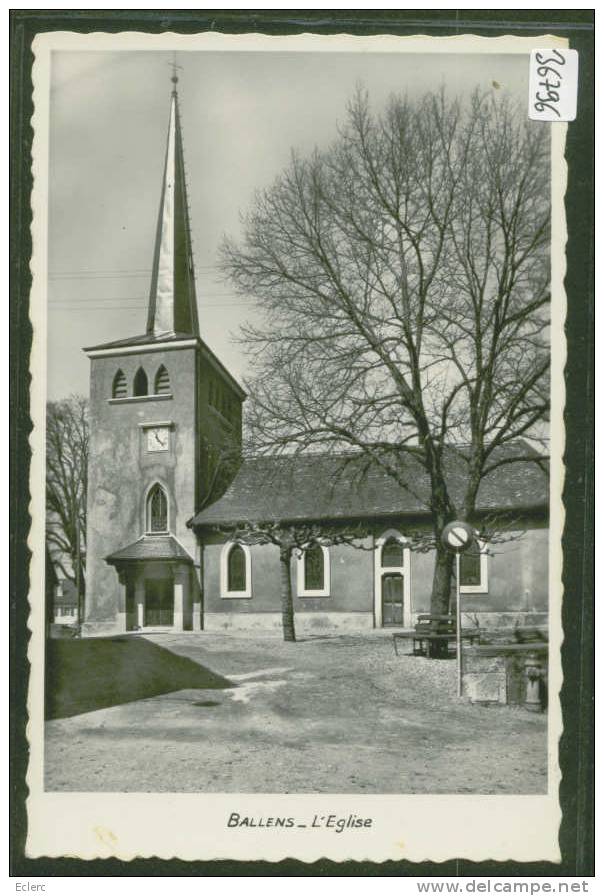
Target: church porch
{"points": [[156, 587]]}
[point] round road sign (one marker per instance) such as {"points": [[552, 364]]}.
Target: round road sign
{"points": [[458, 536]]}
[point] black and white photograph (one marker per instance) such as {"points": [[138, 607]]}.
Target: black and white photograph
{"points": [[299, 364]]}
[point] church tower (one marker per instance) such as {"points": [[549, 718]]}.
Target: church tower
{"points": [[165, 425]]}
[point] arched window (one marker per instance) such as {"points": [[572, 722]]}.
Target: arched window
{"points": [[157, 510], [162, 381], [314, 579], [120, 386], [474, 569], [314, 572], [236, 569], [141, 384], [393, 554]]}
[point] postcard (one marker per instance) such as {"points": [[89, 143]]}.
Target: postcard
{"points": [[297, 392]]}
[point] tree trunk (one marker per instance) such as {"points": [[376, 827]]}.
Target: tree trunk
{"points": [[443, 511], [80, 590], [441, 583], [287, 602]]}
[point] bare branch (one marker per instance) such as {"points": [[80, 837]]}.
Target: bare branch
{"points": [[403, 276]]}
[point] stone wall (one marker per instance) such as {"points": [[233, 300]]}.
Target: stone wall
{"points": [[500, 673]]}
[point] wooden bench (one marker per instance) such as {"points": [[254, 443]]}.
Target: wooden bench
{"points": [[433, 634]]}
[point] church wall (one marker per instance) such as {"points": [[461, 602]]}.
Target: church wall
{"points": [[121, 470], [517, 585], [517, 576], [351, 582]]}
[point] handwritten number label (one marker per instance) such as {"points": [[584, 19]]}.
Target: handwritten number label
{"points": [[553, 85]]}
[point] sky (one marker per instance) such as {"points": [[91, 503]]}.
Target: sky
{"points": [[242, 113]]}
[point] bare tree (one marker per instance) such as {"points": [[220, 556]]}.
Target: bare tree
{"points": [[292, 539], [66, 478], [403, 279]]}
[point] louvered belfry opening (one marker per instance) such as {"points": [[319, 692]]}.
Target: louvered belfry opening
{"points": [[141, 384], [120, 386], [162, 381]]}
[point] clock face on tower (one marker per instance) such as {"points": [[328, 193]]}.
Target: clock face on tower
{"points": [[158, 438]]}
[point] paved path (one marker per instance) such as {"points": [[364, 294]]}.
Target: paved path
{"points": [[340, 714]]}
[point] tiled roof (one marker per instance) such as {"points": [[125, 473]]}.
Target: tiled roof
{"points": [[151, 547], [342, 487]]}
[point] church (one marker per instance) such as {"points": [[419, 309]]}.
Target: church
{"points": [[167, 480]]}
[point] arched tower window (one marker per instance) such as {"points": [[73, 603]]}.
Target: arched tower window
{"points": [[392, 554], [157, 510], [162, 381], [141, 384], [120, 386]]}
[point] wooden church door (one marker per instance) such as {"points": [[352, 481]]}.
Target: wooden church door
{"points": [[392, 599], [159, 602]]}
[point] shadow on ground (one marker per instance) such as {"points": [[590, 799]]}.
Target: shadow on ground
{"points": [[88, 674]]}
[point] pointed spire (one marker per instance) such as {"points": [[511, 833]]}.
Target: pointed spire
{"points": [[172, 300]]}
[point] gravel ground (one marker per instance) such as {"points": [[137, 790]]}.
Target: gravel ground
{"points": [[339, 714]]}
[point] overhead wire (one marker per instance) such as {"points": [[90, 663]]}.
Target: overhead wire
{"points": [[100, 299], [111, 275], [55, 306]]}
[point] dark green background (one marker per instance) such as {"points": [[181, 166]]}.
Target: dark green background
{"points": [[577, 743]]}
